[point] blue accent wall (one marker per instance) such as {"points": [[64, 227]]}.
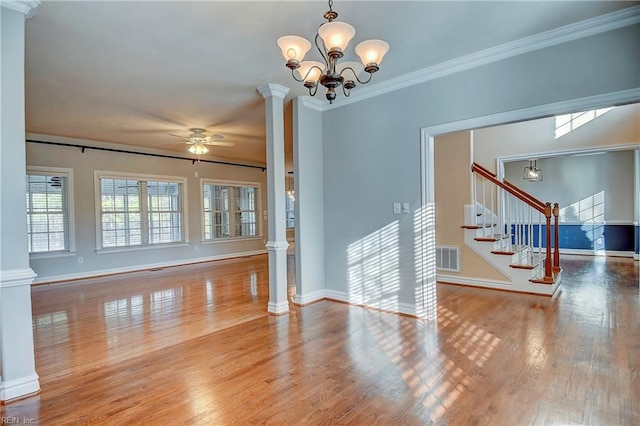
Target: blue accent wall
{"points": [[591, 237]]}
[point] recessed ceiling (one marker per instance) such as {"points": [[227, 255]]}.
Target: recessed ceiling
{"points": [[134, 72]]}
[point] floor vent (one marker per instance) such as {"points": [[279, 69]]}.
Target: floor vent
{"points": [[448, 258]]}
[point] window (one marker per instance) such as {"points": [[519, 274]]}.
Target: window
{"points": [[139, 210], [230, 210], [568, 122], [49, 210], [291, 217]]}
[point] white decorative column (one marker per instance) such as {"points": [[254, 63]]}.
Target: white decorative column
{"points": [[277, 234], [18, 374]]}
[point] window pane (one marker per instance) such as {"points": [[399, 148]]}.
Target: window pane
{"points": [[229, 211], [47, 212]]}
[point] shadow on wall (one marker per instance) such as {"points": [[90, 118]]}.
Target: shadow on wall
{"points": [[374, 267]]}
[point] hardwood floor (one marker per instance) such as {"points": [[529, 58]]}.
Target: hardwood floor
{"points": [[194, 345]]}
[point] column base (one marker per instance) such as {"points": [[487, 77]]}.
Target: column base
{"points": [[19, 388], [278, 308]]}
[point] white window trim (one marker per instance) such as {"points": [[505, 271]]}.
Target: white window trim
{"points": [[207, 181], [98, 174], [68, 173]]}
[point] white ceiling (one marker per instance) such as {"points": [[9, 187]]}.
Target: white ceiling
{"points": [[133, 72]]}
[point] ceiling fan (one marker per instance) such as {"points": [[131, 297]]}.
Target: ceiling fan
{"points": [[198, 141]]}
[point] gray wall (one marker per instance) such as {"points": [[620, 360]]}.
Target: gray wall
{"points": [[568, 180], [84, 164], [372, 148]]}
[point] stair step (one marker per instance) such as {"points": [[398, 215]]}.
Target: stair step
{"points": [[556, 274], [488, 225], [521, 266], [503, 253], [492, 238]]}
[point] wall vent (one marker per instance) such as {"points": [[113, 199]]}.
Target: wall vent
{"points": [[448, 258]]}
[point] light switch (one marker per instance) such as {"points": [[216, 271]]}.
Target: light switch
{"points": [[405, 207], [396, 208]]}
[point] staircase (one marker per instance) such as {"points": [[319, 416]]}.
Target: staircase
{"points": [[510, 229]]}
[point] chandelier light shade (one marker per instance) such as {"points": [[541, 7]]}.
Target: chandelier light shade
{"points": [[371, 52], [532, 172], [332, 40], [293, 47], [336, 36]]}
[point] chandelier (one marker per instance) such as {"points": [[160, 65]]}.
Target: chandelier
{"points": [[331, 41], [532, 172]]}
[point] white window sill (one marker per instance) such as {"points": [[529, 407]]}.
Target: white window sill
{"points": [[51, 255], [139, 248]]}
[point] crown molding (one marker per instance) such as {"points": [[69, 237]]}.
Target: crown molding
{"points": [[273, 89], [26, 7], [571, 32], [312, 103], [583, 104]]}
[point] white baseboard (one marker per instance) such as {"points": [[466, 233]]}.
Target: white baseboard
{"points": [[12, 389], [305, 299], [588, 252], [137, 268], [400, 308], [278, 308], [474, 282]]}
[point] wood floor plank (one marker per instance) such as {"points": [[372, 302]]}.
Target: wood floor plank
{"points": [[194, 346]]}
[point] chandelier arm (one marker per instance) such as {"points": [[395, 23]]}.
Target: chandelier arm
{"points": [[346, 91], [313, 90], [321, 50], [356, 75], [293, 74], [309, 72]]}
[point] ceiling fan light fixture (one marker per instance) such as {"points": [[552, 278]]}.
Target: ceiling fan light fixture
{"points": [[198, 149]]}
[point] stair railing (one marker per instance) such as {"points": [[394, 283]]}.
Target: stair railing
{"points": [[518, 215]]}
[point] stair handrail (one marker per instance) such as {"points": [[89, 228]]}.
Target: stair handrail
{"points": [[475, 167], [524, 194], [551, 264]]}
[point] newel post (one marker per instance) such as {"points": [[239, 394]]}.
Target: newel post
{"points": [[548, 274], [556, 253]]}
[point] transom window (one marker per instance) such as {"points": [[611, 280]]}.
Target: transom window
{"points": [[569, 122], [49, 210], [139, 210], [230, 210]]}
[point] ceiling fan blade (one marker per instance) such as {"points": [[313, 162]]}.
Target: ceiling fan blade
{"points": [[176, 136], [219, 143], [216, 136]]}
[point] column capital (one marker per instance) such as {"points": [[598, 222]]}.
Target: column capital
{"points": [[26, 7], [272, 89]]}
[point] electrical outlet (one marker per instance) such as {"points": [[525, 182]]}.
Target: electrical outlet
{"points": [[396, 208], [405, 207], [196, 248], [196, 174], [80, 259]]}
